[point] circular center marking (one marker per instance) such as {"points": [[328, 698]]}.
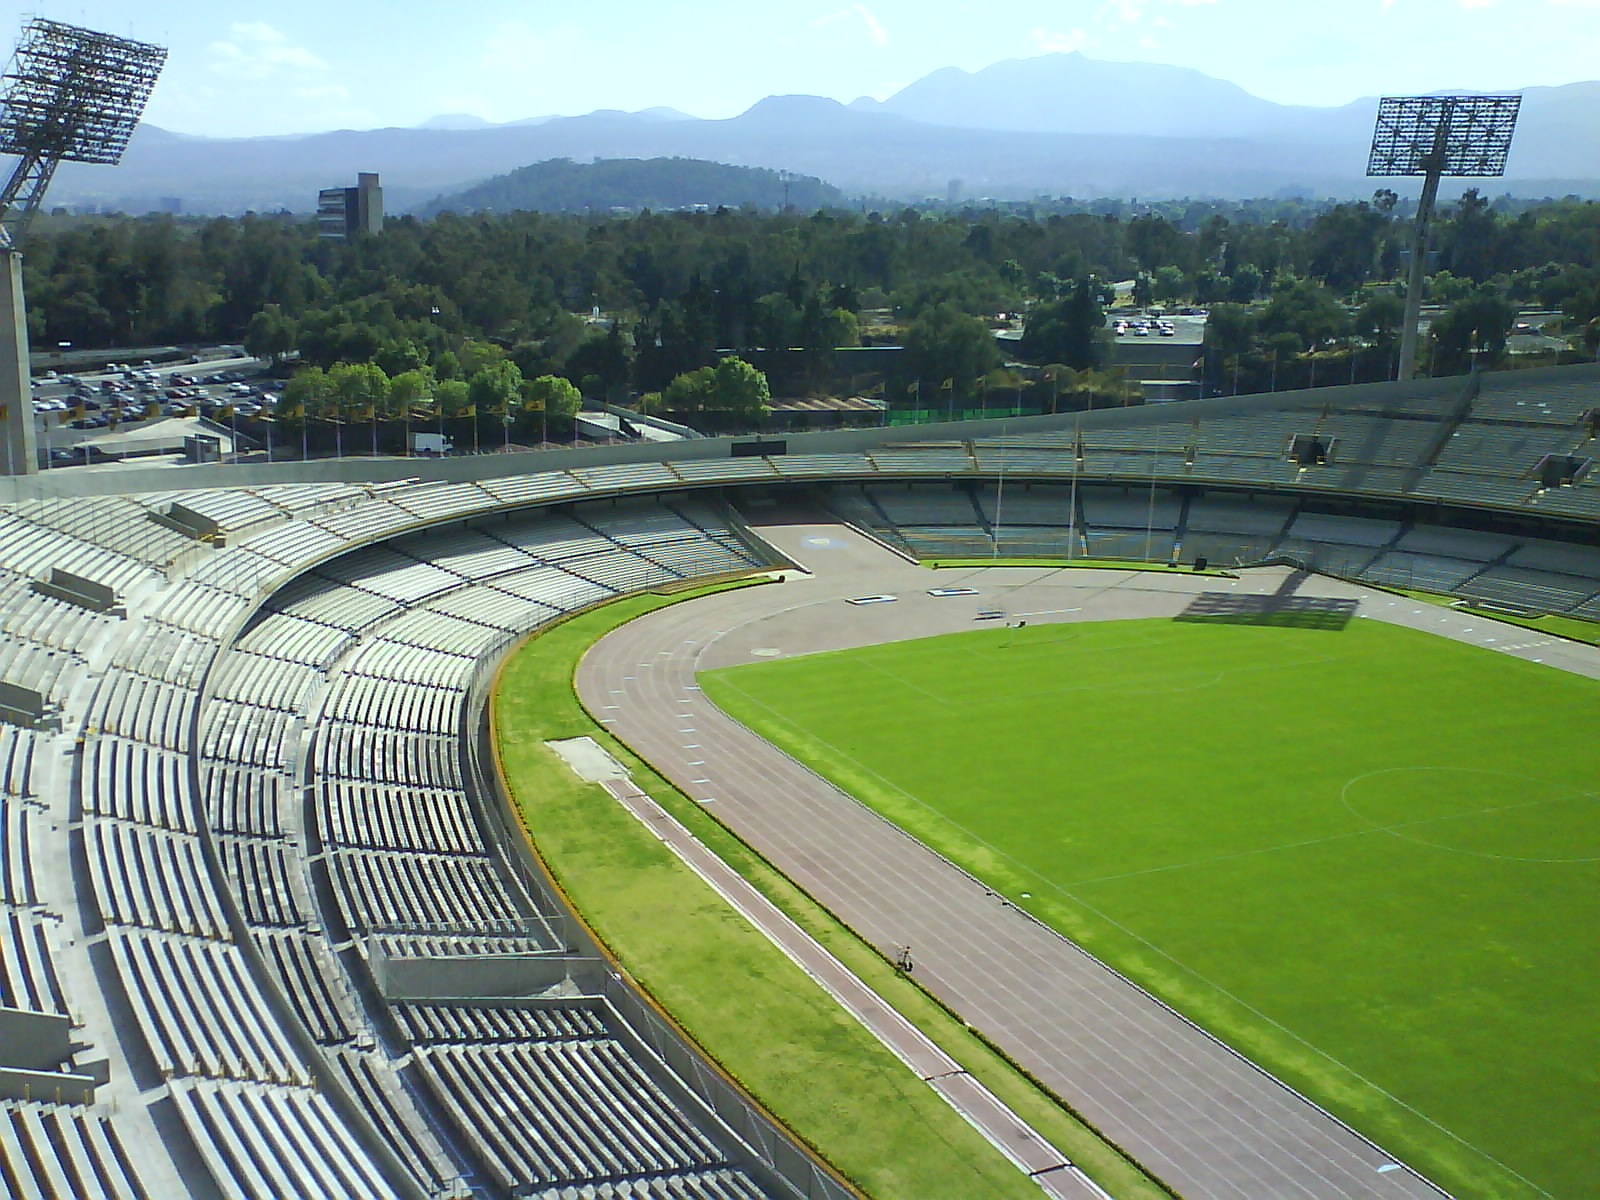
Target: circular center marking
{"points": [[1489, 814]]}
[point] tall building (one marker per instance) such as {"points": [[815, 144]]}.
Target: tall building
{"points": [[341, 211]]}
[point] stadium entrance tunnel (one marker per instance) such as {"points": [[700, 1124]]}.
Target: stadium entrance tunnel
{"points": [[1296, 612]]}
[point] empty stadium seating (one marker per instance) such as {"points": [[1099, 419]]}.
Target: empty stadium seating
{"points": [[260, 757]]}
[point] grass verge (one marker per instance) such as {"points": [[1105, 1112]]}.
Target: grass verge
{"points": [[811, 1064]]}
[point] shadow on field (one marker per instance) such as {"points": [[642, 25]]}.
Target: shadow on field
{"points": [[1282, 608], [1297, 612]]}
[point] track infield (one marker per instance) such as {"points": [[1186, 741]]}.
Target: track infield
{"points": [[1365, 857]]}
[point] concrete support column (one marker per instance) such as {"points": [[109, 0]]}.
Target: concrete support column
{"points": [[18, 441]]}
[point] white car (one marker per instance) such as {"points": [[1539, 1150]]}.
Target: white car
{"points": [[872, 599], [953, 591]]}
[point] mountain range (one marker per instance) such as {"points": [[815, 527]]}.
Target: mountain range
{"points": [[1057, 124]]}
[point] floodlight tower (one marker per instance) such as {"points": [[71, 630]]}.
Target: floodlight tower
{"points": [[1435, 136], [72, 95]]}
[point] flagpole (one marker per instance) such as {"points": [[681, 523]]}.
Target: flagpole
{"points": [[1150, 520], [999, 497], [1072, 499]]}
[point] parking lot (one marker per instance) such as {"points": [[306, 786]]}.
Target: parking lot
{"points": [[71, 409], [1183, 328]]}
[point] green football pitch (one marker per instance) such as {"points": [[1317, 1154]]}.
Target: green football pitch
{"points": [[1366, 857]]}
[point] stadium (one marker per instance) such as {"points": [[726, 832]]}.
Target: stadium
{"points": [[273, 928]]}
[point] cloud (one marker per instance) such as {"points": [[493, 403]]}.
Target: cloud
{"points": [[1057, 41], [875, 29], [255, 50], [1117, 13]]}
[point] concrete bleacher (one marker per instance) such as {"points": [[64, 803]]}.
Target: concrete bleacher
{"points": [[1426, 572], [1514, 396], [63, 1152], [283, 1142], [28, 978], [601, 1117], [1539, 591], [376, 658]]}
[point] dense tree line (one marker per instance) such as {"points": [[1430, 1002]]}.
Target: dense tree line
{"points": [[438, 295], [561, 185]]}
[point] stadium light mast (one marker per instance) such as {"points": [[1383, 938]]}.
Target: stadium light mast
{"points": [[1435, 136], [72, 95]]}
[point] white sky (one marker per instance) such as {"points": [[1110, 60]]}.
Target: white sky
{"points": [[306, 65]]}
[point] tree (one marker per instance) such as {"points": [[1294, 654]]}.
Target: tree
{"points": [[271, 335], [1170, 284], [1343, 244], [1071, 330], [495, 390], [360, 392], [409, 388], [1306, 308], [1379, 317], [732, 386], [308, 393], [741, 389], [1230, 330], [691, 391], [1445, 288], [1244, 285], [945, 343], [1472, 329], [450, 398], [552, 394], [1472, 238]]}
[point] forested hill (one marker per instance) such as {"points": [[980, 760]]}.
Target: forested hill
{"points": [[561, 185]]}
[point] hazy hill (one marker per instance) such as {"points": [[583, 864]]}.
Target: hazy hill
{"points": [[1558, 133], [1068, 93], [561, 185], [1087, 129]]}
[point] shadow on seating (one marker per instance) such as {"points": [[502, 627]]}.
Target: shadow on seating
{"points": [[1297, 612]]}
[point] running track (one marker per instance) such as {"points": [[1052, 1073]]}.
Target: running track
{"points": [[1197, 1115]]}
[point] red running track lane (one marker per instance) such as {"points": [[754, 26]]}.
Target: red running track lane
{"points": [[1042, 1162]]}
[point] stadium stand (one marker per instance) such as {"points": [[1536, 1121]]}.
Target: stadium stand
{"points": [[237, 756]]}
